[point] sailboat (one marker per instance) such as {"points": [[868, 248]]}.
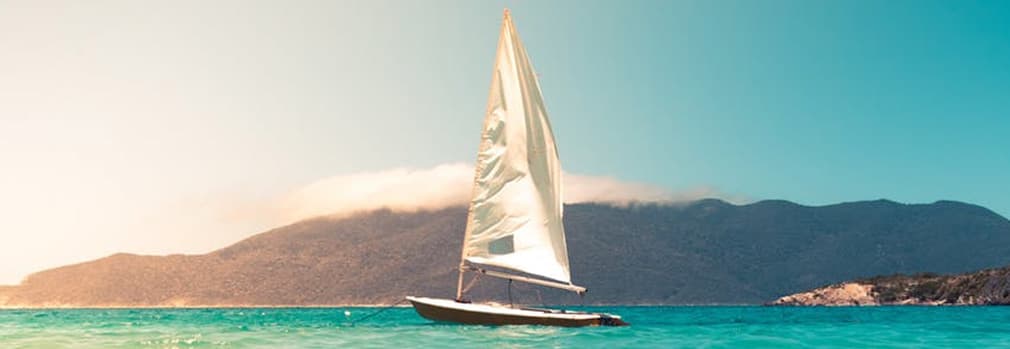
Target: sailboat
{"points": [[513, 227]]}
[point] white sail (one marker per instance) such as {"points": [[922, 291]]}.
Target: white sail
{"points": [[515, 213]]}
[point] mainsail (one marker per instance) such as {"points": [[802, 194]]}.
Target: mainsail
{"points": [[514, 221]]}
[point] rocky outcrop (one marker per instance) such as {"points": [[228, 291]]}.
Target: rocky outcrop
{"points": [[986, 287], [850, 293]]}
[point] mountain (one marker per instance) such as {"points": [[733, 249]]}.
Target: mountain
{"points": [[707, 251], [985, 287]]}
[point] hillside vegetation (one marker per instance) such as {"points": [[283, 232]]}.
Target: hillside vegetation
{"points": [[703, 252]]}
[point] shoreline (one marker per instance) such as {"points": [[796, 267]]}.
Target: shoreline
{"points": [[328, 306], [336, 306]]}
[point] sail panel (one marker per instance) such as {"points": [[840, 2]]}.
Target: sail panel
{"points": [[515, 217]]}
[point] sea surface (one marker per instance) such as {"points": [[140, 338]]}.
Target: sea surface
{"points": [[652, 327]]}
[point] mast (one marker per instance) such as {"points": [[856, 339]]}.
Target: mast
{"points": [[478, 168]]}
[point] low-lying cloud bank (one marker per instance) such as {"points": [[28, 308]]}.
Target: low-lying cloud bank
{"points": [[405, 189], [203, 223]]}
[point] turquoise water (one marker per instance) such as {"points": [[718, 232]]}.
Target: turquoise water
{"points": [[652, 327]]}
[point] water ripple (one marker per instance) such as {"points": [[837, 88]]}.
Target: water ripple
{"points": [[653, 327]]}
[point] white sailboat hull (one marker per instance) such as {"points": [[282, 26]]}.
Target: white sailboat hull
{"points": [[447, 310]]}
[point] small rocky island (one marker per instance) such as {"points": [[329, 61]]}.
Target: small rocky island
{"points": [[985, 287]]}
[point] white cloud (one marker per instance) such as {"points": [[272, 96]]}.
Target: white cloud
{"points": [[208, 221], [582, 188], [405, 189], [398, 189]]}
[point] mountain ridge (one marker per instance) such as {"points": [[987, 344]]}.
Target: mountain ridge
{"points": [[703, 252]]}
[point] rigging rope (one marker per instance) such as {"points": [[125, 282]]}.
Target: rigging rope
{"points": [[510, 294], [391, 306], [471, 283]]}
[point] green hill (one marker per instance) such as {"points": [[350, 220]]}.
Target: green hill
{"points": [[703, 252]]}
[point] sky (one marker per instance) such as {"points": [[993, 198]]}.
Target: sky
{"points": [[161, 127]]}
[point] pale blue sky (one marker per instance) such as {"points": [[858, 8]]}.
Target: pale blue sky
{"points": [[839, 101], [127, 126]]}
